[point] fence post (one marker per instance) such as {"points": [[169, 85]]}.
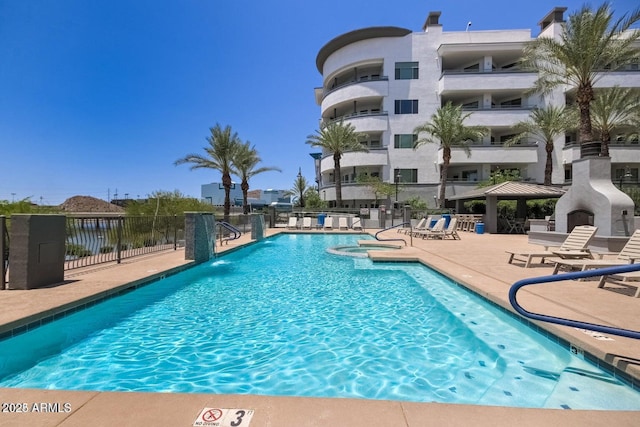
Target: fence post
{"points": [[175, 232], [119, 234], [4, 251]]}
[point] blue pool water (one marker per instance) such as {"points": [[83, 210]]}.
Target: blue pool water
{"points": [[284, 317]]}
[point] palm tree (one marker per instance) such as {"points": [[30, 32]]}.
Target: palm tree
{"points": [[447, 127], [300, 187], [546, 124], [243, 165], [613, 108], [337, 138], [223, 144], [590, 45]]}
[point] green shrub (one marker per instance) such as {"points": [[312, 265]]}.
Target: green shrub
{"points": [[77, 250], [106, 249]]}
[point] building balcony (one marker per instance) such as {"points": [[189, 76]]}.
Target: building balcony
{"points": [[460, 81], [619, 153], [493, 154], [497, 116], [362, 93], [374, 157], [367, 120], [377, 86]]}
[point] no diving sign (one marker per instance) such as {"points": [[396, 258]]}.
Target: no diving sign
{"points": [[224, 417]]}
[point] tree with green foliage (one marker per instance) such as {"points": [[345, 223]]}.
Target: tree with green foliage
{"points": [[244, 165], [614, 108], [376, 185], [337, 138], [300, 187], [223, 144], [166, 203], [312, 199], [547, 124], [590, 45], [447, 128]]}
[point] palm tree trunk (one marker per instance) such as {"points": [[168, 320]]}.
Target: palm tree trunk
{"points": [[338, 179], [548, 167], [226, 183], [584, 96], [604, 148], [444, 170], [245, 202]]}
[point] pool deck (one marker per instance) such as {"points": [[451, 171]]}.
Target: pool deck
{"points": [[477, 261]]}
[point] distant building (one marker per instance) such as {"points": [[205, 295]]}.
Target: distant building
{"points": [[214, 194]]}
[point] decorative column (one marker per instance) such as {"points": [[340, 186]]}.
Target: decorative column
{"points": [[37, 254], [199, 236]]}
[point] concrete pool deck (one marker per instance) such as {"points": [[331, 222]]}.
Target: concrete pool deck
{"points": [[476, 261]]}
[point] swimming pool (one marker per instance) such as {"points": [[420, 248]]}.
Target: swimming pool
{"points": [[283, 317]]}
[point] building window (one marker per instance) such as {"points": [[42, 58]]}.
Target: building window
{"points": [[511, 103], [406, 175], [404, 140], [406, 70], [406, 106]]}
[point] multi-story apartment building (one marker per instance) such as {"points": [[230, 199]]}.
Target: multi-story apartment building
{"points": [[386, 81]]}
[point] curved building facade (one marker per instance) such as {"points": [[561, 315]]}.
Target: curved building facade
{"points": [[386, 81]]}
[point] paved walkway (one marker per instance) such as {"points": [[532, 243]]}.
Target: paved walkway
{"points": [[477, 261]]}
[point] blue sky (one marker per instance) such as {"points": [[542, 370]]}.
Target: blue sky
{"points": [[101, 96]]}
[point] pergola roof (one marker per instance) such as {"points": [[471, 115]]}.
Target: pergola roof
{"points": [[512, 190]]}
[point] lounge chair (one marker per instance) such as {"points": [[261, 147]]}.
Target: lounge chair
{"points": [[622, 278], [407, 230], [328, 223], [426, 225], [342, 223], [306, 223], [451, 229], [574, 246], [628, 255], [293, 223], [436, 231], [357, 223]]}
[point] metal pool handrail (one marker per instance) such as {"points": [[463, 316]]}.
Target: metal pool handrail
{"points": [[570, 276], [393, 240], [236, 233]]}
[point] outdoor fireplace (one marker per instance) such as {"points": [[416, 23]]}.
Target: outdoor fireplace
{"points": [[593, 199], [579, 217]]}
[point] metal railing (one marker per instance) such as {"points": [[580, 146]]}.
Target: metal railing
{"points": [[234, 233], [571, 276], [404, 224], [98, 239]]}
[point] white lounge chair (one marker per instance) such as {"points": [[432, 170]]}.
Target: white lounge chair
{"points": [[328, 223], [451, 229], [629, 254], [306, 223], [342, 223], [407, 230], [622, 278], [574, 246], [436, 231], [426, 225], [293, 223], [357, 223]]}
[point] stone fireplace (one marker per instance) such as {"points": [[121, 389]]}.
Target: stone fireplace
{"points": [[593, 199]]}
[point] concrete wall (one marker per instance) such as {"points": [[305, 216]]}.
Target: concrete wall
{"points": [[37, 252]]}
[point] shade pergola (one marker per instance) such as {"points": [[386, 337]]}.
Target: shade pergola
{"points": [[509, 190]]}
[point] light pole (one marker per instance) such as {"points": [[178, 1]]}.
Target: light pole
{"points": [[398, 176]]}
